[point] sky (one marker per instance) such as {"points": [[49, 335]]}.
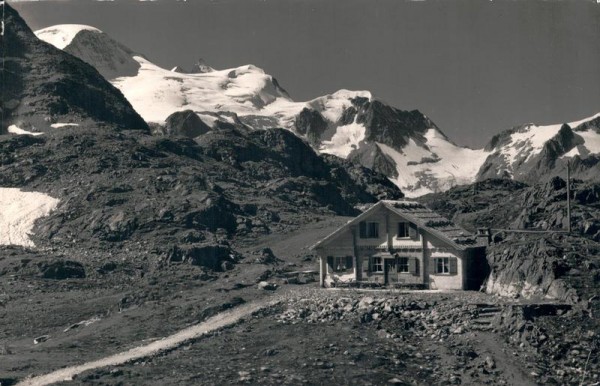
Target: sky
{"points": [[474, 67]]}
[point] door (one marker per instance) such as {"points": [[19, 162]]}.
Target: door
{"points": [[391, 277]]}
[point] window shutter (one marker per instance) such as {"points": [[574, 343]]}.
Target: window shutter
{"points": [[412, 265], [433, 266], [453, 265], [349, 262], [412, 232], [362, 229], [330, 263]]}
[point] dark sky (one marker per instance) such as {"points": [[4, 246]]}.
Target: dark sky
{"points": [[474, 67]]}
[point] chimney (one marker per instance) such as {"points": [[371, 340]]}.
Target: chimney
{"points": [[484, 236]]}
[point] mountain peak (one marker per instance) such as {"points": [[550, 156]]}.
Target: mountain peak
{"points": [[111, 58], [62, 35], [201, 67]]}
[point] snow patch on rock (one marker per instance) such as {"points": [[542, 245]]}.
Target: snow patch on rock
{"points": [[346, 139], [14, 129], [59, 125]]}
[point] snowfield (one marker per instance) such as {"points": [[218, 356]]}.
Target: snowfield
{"points": [[18, 212], [345, 139], [156, 93]]}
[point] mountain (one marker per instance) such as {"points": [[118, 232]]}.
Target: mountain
{"points": [[532, 153], [44, 87], [404, 145], [110, 185]]}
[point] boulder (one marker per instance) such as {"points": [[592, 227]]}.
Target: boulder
{"points": [[63, 269], [212, 256], [267, 286], [186, 124]]}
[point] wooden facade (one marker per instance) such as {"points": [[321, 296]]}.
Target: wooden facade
{"points": [[401, 244]]}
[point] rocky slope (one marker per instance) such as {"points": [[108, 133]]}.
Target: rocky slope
{"points": [[551, 264], [43, 86], [181, 195], [167, 195], [404, 145]]}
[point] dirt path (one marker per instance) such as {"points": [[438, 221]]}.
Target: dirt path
{"points": [[218, 321], [511, 371]]}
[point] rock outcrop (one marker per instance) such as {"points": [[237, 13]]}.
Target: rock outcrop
{"points": [[547, 263], [185, 123]]}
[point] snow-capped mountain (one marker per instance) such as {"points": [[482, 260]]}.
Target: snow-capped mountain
{"points": [[531, 152], [404, 145]]}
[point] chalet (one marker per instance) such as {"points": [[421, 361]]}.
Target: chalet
{"points": [[402, 244]]}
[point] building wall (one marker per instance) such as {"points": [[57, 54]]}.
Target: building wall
{"points": [[445, 281], [397, 242], [381, 241]]}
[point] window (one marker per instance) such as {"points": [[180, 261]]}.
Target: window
{"points": [[402, 264], [442, 266], [376, 264], [445, 265], [369, 230], [342, 263], [403, 230]]}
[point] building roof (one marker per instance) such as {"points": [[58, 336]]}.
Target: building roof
{"points": [[423, 217]]}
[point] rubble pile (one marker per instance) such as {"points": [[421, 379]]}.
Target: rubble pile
{"points": [[422, 318]]}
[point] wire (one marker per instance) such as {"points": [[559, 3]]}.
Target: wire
{"points": [[3, 85]]}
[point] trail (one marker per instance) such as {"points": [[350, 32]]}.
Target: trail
{"points": [[218, 321]]}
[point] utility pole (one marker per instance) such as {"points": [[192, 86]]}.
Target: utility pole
{"points": [[569, 195]]}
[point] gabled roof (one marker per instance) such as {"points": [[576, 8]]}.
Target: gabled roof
{"points": [[422, 217]]}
